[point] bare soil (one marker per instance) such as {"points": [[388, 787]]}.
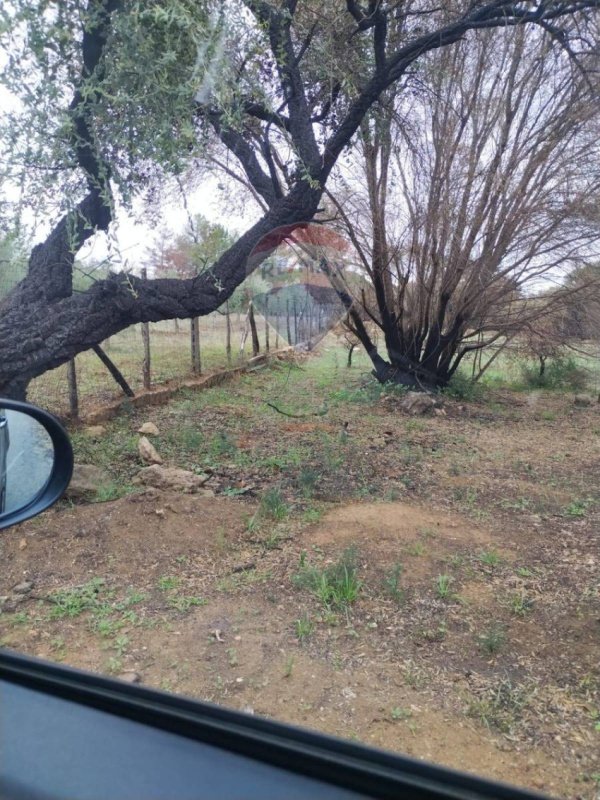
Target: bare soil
{"points": [[497, 674]]}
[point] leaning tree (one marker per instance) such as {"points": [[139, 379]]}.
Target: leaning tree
{"points": [[108, 97]]}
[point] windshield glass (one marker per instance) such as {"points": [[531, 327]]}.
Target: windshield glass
{"points": [[316, 290]]}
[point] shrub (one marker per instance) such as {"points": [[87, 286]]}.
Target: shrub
{"points": [[560, 373]]}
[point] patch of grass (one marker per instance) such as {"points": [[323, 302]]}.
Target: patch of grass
{"points": [[114, 665], [112, 491], [222, 445], [312, 515], [399, 713], [442, 586], [303, 628], [72, 602], [434, 634], [500, 707], [490, 558], [391, 583], [520, 604], [337, 585], [308, 480], [289, 667], [492, 639], [121, 644], [462, 387], [414, 675], [578, 508], [168, 582], [183, 602], [106, 626], [240, 580], [520, 504], [416, 549], [272, 506], [525, 572]]}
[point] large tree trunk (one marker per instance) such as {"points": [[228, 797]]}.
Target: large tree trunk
{"points": [[39, 331]]}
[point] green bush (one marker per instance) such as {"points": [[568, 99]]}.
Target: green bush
{"points": [[560, 373], [463, 387]]}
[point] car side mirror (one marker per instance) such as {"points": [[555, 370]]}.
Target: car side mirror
{"points": [[36, 461]]}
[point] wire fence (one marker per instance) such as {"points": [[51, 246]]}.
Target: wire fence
{"points": [[148, 356]]}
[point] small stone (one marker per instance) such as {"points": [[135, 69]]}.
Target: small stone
{"points": [[248, 710], [348, 693], [148, 452], [95, 431], [11, 603], [583, 400], [418, 403], [173, 478], [130, 676], [23, 588], [3, 599], [86, 481], [160, 512], [22, 544], [149, 429]]}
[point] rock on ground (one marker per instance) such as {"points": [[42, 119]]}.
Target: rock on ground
{"points": [[172, 478], [418, 403], [95, 431], [149, 429], [584, 400], [148, 452], [86, 481]]}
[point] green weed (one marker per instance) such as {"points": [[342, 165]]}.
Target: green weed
{"points": [[492, 639], [337, 585], [181, 602], [303, 628], [442, 586], [391, 583]]}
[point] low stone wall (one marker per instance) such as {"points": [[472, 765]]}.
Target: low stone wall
{"points": [[161, 395]]}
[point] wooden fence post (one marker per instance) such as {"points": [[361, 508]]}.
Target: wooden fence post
{"points": [[195, 342], [228, 332], [287, 320], [146, 340], [73, 396], [267, 348], [253, 331]]}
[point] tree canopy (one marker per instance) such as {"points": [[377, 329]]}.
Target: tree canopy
{"points": [[110, 97]]}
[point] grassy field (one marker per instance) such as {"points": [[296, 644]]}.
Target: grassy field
{"points": [[425, 584]]}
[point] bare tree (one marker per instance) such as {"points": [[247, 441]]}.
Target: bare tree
{"points": [[476, 190]]}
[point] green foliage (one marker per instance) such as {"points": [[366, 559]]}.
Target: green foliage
{"points": [[336, 585], [273, 505], [521, 604], [303, 627], [442, 586], [500, 707], [308, 480], [167, 582], [182, 602], [490, 558], [391, 583], [560, 373], [72, 602], [463, 387], [492, 639]]}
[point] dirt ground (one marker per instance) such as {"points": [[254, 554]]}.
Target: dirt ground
{"points": [[474, 637]]}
